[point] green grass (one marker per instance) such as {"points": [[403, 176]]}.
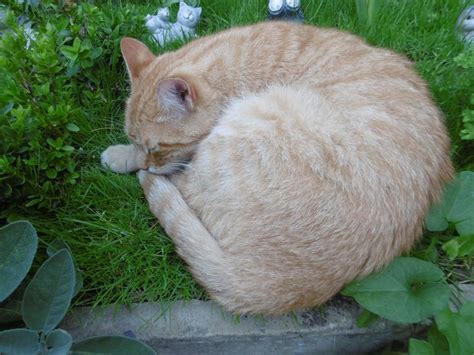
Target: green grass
{"points": [[124, 255]]}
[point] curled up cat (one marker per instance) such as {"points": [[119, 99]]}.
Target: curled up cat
{"points": [[283, 160]]}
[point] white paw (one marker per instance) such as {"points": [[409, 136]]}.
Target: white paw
{"points": [[119, 158]]}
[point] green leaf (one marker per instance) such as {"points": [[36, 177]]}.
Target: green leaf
{"points": [[19, 342], [6, 109], [73, 70], [69, 52], [116, 345], [407, 291], [76, 44], [458, 328], [68, 148], [53, 248], [420, 347], [456, 206], [459, 247], [72, 127], [366, 318], [18, 243], [58, 342], [96, 53], [51, 173], [47, 297], [438, 341]]}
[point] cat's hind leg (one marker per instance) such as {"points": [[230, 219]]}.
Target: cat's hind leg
{"points": [[122, 158]]}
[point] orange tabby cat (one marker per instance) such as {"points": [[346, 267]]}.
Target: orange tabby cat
{"points": [[293, 159]]}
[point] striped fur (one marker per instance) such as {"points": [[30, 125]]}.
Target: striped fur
{"points": [[310, 159]]}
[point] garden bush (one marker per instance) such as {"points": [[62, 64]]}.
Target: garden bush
{"points": [[47, 85]]}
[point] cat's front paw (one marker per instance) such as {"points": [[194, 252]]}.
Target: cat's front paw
{"points": [[121, 158]]}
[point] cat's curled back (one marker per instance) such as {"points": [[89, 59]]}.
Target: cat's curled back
{"points": [[310, 159]]}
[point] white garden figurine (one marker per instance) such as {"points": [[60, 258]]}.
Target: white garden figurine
{"points": [[465, 25], [164, 31], [188, 19], [159, 25]]}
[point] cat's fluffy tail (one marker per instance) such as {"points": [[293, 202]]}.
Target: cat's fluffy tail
{"points": [[193, 241]]}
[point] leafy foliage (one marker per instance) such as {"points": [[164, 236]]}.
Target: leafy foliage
{"points": [[37, 154], [457, 206], [457, 327], [420, 347], [42, 120], [19, 243], [48, 295], [408, 291], [45, 302], [459, 247]]}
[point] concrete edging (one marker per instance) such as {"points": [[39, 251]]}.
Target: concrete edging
{"points": [[197, 327]]}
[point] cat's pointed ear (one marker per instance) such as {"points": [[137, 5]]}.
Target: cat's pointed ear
{"points": [[199, 11], [137, 56], [176, 95]]}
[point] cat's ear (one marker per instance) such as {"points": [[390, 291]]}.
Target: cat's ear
{"points": [[137, 56], [176, 95], [199, 11]]}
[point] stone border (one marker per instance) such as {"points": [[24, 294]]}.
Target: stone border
{"points": [[197, 327]]}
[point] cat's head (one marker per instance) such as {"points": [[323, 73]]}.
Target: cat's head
{"points": [[188, 15], [466, 19], [164, 14], [169, 111]]}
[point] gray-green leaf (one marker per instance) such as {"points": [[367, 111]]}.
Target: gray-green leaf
{"points": [[48, 296], [52, 249], [407, 291], [456, 206], [18, 243], [458, 328], [58, 342], [420, 347], [116, 345], [19, 342]]}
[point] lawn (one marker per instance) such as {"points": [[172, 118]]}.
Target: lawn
{"points": [[123, 254]]}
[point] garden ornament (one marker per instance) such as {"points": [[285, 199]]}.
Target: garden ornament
{"points": [[289, 10], [164, 31], [187, 21], [465, 25], [159, 25]]}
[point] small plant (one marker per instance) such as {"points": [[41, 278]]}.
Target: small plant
{"points": [[410, 290], [46, 300]]}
